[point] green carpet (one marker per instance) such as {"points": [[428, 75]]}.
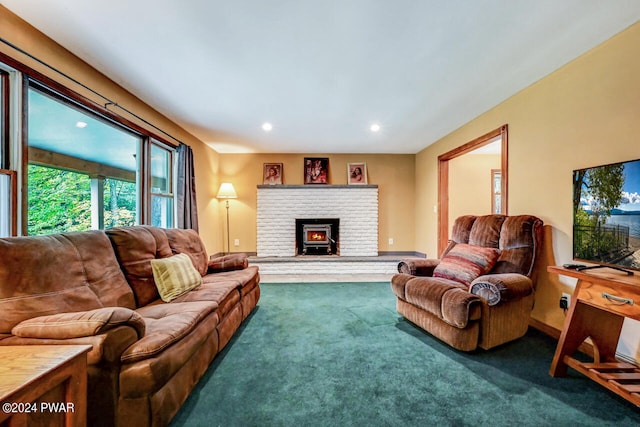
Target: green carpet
{"points": [[338, 354]]}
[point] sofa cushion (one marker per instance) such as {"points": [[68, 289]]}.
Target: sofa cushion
{"points": [[135, 247], [166, 324], [69, 272], [427, 293], [519, 242], [224, 294], [242, 278], [446, 299], [486, 230], [174, 276], [188, 242], [79, 324], [463, 263]]}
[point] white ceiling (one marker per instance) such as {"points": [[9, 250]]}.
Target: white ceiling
{"points": [[322, 71]]}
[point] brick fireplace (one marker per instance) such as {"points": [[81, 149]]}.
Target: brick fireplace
{"points": [[355, 208]]}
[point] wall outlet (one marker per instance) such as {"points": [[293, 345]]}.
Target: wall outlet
{"points": [[565, 301], [236, 242], [391, 240]]}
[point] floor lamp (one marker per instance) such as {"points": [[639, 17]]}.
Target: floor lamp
{"points": [[226, 191]]}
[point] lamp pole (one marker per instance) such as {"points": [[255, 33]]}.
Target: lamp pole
{"points": [[228, 238], [227, 192]]}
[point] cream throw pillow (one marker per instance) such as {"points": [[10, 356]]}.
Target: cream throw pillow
{"points": [[174, 276]]}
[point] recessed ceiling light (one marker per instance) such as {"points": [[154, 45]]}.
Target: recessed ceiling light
{"points": [[81, 125], [266, 126], [375, 127]]}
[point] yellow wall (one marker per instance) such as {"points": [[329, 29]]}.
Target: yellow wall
{"points": [[470, 185], [392, 173], [584, 114], [27, 38]]}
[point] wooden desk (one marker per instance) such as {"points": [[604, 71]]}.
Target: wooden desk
{"points": [[43, 385], [601, 301]]}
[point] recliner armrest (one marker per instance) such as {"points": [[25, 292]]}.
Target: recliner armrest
{"points": [[227, 263], [107, 347], [418, 266], [79, 324], [498, 288]]}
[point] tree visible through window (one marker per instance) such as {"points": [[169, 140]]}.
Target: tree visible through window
{"points": [[60, 201], [120, 203]]}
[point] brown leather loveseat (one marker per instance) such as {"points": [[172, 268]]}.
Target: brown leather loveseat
{"points": [[480, 293], [98, 288]]}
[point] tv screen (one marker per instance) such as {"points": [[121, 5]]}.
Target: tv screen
{"points": [[606, 215]]}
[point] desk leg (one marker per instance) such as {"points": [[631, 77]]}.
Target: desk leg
{"points": [[586, 321]]}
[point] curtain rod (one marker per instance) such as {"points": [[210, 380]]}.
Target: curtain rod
{"points": [[93, 91]]}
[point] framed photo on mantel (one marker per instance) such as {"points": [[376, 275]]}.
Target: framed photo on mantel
{"points": [[316, 170], [357, 173], [272, 174]]}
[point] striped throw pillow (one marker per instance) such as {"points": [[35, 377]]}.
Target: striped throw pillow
{"points": [[174, 276], [463, 263]]}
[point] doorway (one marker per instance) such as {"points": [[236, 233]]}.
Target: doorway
{"points": [[501, 135]]}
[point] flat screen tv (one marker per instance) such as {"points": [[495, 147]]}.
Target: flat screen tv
{"points": [[606, 215]]}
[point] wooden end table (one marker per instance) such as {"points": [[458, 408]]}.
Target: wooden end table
{"points": [[43, 385]]}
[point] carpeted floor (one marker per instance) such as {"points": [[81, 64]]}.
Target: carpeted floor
{"points": [[338, 354]]}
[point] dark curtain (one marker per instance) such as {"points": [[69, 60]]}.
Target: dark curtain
{"points": [[186, 208]]}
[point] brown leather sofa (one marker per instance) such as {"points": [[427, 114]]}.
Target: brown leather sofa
{"points": [[480, 292], [98, 288]]}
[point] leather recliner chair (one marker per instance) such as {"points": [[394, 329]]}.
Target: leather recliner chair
{"points": [[480, 292]]}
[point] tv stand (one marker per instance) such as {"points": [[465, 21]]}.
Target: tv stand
{"points": [[600, 303], [592, 267]]}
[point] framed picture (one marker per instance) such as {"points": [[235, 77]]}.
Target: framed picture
{"points": [[316, 170], [272, 174], [356, 173]]}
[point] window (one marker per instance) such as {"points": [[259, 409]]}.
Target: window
{"points": [[7, 177], [161, 186], [7, 201], [70, 164], [83, 171], [4, 120]]}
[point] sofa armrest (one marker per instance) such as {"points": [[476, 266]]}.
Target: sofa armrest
{"points": [[79, 324], [107, 348], [418, 266], [227, 263], [497, 288]]}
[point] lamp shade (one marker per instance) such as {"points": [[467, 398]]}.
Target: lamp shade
{"points": [[226, 191]]}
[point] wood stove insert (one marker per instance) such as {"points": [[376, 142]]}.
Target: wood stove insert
{"points": [[317, 236]]}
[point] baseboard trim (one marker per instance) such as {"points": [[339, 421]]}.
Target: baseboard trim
{"points": [[402, 254], [248, 254]]}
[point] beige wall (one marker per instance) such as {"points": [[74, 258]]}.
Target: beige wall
{"points": [[470, 185], [27, 38], [392, 173], [584, 114]]}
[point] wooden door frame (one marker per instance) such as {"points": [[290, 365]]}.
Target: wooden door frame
{"points": [[443, 178]]}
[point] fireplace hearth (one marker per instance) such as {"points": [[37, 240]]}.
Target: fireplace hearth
{"points": [[317, 236]]}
